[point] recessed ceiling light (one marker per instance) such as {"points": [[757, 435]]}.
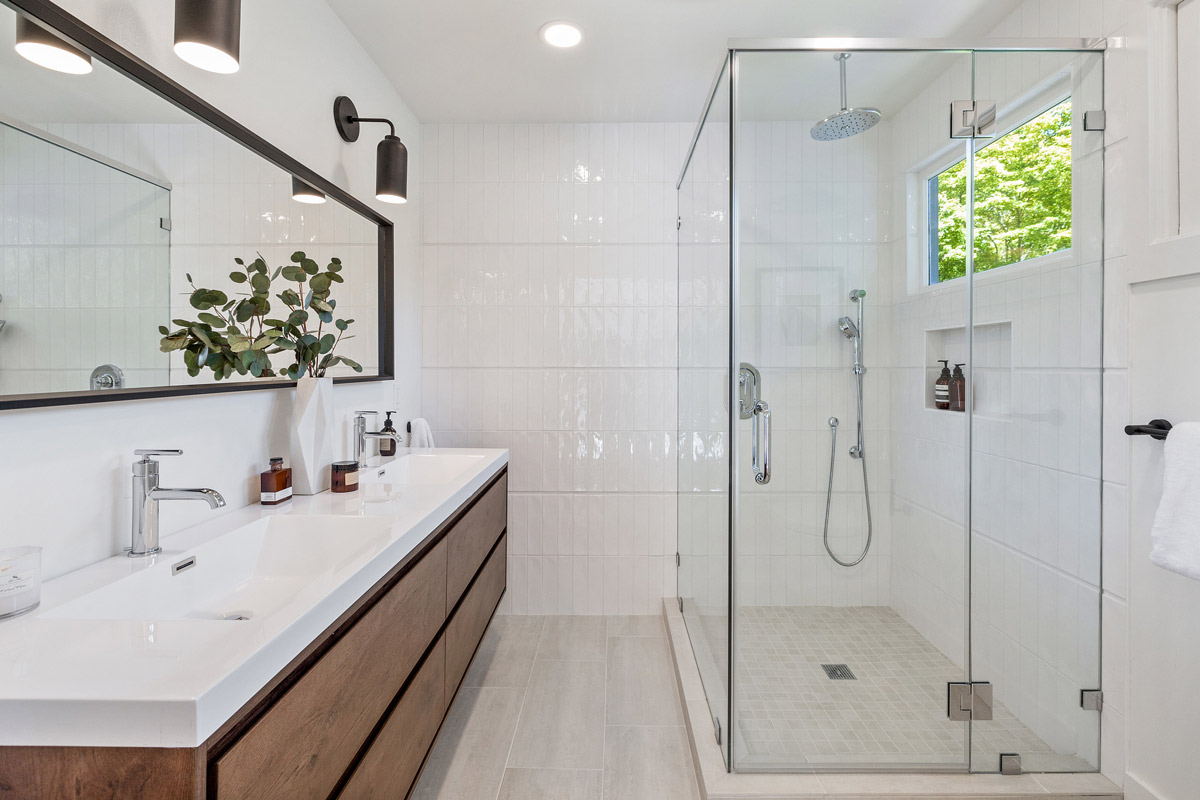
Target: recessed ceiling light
{"points": [[561, 34]]}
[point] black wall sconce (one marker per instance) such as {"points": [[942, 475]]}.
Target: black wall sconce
{"points": [[303, 193], [391, 157], [36, 44], [208, 34]]}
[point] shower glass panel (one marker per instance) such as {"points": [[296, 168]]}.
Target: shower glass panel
{"points": [[884, 565], [703, 412], [843, 649], [1035, 371]]}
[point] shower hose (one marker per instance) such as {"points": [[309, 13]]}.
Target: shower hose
{"points": [[833, 426]]}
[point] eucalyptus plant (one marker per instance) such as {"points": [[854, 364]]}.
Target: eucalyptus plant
{"points": [[239, 334]]}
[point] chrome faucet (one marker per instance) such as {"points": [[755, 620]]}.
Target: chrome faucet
{"points": [[361, 435], [146, 494]]}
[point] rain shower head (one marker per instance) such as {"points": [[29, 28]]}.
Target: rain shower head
{"points": [[848, 328], [849, 121]]}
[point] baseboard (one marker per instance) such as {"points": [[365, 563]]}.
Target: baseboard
{"points": [[1137, 790]]}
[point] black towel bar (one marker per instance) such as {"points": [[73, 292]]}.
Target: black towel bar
{"points": [[1157, 429]]}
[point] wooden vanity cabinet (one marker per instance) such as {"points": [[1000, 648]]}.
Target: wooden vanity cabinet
{"points": [[353, 716]]}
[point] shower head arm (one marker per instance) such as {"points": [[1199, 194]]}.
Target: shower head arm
{"points": [[841, 57]]}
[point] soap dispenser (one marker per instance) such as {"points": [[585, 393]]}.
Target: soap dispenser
{"points": [[941, 388], [387, 447], [958, 389]]}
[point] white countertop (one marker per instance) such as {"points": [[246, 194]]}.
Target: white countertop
{"points": [[174, 682]]}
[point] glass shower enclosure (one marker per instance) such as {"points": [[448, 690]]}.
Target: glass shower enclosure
{"points": [[884, 564]]}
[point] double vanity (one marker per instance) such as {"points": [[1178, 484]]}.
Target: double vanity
{"points": [[309, 650]]}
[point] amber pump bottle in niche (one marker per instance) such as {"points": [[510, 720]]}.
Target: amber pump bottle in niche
{"points": [[275, 484], [941, 388], [958, 389]]}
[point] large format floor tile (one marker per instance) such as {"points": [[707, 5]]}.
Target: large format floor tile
{"points": [[648, 762], [565, 708], [468, 759], [562, 723]]}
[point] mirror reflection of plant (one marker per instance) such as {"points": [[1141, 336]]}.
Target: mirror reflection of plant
{"points": [[237, 335]]}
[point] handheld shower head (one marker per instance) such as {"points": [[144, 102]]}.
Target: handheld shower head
{"points": [[848, 328]]}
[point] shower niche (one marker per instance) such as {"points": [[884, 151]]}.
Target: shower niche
{"points": [[991, 370]]}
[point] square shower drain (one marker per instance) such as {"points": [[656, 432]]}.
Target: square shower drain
{"points": [[838, 672]]}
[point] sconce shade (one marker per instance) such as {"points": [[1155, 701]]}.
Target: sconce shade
{"points": [[43, 48], [208, 33], [303, 193], [391, 170]]}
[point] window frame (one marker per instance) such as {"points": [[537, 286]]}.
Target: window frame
{"points": [[1022, 113]]}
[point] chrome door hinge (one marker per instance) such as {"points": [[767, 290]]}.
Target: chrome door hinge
{"points": [[680, 599], [1010, 764], [164, 223], [972, 119], [969, 701], [1091, 699], [717, 728], [678, 562], [678, 223], [1094, 120]]}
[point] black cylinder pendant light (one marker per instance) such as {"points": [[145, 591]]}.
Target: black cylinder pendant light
{"points": [[304, 193], [45, 49], [391, 157], [208, 33]]}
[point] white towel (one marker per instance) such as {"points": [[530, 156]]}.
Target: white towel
{"points": [[1175, 538], [420, 433]]}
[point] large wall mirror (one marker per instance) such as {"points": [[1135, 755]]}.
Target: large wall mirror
{"points": [[139, 226]]}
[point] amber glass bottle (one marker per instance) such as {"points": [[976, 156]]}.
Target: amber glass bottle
{"points": [[958, 389], [275, 484]]}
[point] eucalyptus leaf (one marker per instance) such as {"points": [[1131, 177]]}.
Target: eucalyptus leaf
{"points": [[319, 283], [341, 324], [298, 256], [260, 282], [237, 277], [327, 342], [211, 319], [335, 265], [354, 365], [310, 266], [294, 274]]}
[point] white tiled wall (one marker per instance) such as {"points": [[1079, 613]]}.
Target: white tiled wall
{"points": [[83, 269], [549, 304]]}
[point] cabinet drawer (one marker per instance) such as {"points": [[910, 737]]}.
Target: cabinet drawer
{"points": [[471, 539], [390, 767], [471, 620], [303, 744]]}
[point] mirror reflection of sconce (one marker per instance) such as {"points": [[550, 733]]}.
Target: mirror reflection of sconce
{"points": [[303, 193], [391, 157], [36, 44], [107, 376]]}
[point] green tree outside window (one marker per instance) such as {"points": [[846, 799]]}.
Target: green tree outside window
{"points": [[1022, 198]]}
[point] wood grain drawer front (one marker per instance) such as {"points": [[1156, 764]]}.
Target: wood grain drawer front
{"points": [[390, 767], [472, 537], [303, 744], [471, 620]]}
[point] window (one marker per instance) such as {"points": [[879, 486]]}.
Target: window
{"points": [[1022, 199]]}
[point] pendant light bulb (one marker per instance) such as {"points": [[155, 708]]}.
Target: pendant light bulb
{"points": [[38, 45], [208, 34]]}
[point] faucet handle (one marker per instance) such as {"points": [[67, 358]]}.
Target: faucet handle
{"points": [[364, 413], [147, 453]]}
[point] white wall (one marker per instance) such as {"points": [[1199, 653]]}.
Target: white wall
{"points": [[549, 311], [296, 56]]}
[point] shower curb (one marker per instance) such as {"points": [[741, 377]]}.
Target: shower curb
{"points": [[718, 784]]}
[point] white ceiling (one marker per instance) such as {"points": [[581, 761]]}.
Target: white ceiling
{"points": [[640, 60]]}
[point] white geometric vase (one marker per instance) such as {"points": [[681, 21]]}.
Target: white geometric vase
{"points": [[312, 435]]}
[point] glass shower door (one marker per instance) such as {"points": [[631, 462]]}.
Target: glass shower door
{"points": [[850, 558], [1035, 365]]}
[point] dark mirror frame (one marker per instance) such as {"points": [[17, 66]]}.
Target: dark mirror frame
{"points": [[110, 53]]}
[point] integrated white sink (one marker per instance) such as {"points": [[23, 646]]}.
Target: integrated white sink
{"points": [[250, 571], [422, 469]]}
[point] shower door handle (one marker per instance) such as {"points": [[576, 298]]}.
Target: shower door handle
{"points": [[762, 445]]}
